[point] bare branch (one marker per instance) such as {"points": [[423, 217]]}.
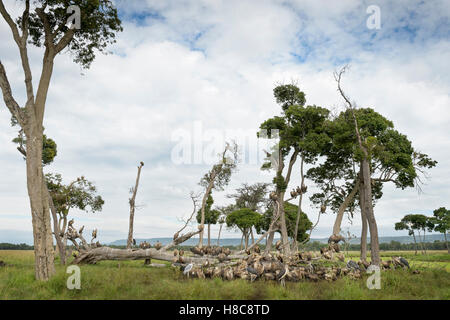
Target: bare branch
{"points": [[11, 23], [10, 102]]}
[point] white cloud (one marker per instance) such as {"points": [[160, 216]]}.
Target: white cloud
{"points": [[217, 62]]}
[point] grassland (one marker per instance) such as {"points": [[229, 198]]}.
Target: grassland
{"points": [[133, 280]]}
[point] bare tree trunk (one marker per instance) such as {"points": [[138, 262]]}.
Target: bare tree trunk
{"points": [[363, 253], [367, 193], [42, 231], [420, 241], [446, 242], [251, 232], [132, 202], [415, 243], [342, 208], [247, 236], [424, 242], [242, 240], [205, 198], [299, 209], [56, 230], [209, 234], [269, 241], [283, 227], [218, 238]]}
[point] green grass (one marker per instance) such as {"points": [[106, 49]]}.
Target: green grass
{"points": [[135, 281]]}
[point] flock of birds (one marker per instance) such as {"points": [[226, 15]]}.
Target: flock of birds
{"points": [[278, 267]]}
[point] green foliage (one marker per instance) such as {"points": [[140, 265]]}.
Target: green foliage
{"points": [[99, 26], [250, 196], [300, 130], [220, 174], [413, 222], [49, 147], [49, 150], [440, 221], [393, 159], [80, 194], [289, 95], [243, 219], [291, 218], [211, 215]]}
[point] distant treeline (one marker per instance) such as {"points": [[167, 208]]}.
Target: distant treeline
{"points": [[10, 246], [388, 246]]}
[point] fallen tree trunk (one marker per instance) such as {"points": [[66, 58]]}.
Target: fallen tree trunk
{"points": [[107, 253]]}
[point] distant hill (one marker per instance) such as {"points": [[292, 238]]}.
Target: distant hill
{"points": [[237, 241]]}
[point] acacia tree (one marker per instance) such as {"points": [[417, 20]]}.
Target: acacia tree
{"points": [[440, 222], [79, 194], [211, 216], [44, 24], [407, 224], [415, 222], [383, 154], [300, 134], [252, 197], [244, 219], [217, 178]]}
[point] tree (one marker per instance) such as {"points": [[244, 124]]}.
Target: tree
{"points": [[44, 24], [224, 211], [407, 224], [291, 211], [132, 202], [252, 197], [384, 155], [412, 223], [79, 194], [211, 216], [440, 222], [217, 178], [243, 219], [300, 134]]}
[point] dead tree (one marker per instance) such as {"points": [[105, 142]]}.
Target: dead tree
{"points": [[217, 178], [132, 202]]}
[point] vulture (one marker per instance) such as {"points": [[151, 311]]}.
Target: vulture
{"points": [[353, 265], [253, 273], [94, 234], [404, 262], [134, 242], [158, 245], [278, 245]]}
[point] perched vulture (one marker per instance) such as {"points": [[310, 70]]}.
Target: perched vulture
{"points": [[353, 265], [404, 262], [158, 245]]}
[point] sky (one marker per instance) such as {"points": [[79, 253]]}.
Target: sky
{"points": [[195, 73]]}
